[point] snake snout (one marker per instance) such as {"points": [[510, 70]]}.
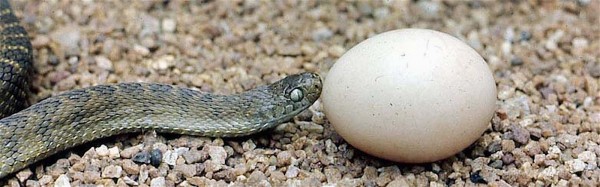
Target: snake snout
{"points": [[312, 84]]}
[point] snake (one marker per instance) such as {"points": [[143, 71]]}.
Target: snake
{"points": [[31, 133]]}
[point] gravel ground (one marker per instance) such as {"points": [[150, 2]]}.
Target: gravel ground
{"points": [[544, 55]]}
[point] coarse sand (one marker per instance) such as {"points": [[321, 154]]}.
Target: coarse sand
{"points": [[545, 56]]}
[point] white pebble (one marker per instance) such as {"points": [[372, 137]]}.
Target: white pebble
{"points": [[548, 172], [588, 102], [114, 152], [217, 154], [589, 158], [506, 48], [143, 174], [595, 117], [102, 151], [575, 165], [169, 25], [158, 182], [112, 171], [526, 122], [579, 43], [162, 63], [291, 172], [141, 50], [248, 145], [62, 181], [509, 34], [336, 51], [552, 42], [170, 157], [104, 62], [130, 181], [554, 151], [181, 150]]}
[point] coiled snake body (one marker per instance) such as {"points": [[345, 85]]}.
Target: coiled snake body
{"points": [[79, 116]]}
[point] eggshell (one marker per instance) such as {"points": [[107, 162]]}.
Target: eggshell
{"points": [[410, 95]]}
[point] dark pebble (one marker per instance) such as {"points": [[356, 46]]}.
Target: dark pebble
{"points": [[525, 36], [476, 178], [155, 157], [516, 61], [141, 158]]}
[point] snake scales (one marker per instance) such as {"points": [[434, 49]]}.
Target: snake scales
{"points": [[79, 116]]}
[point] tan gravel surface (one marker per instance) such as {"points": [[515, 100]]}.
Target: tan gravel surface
{"points": [[545, 56]]}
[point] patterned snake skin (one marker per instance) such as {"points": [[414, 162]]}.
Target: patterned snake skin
{"points": [[79, 116]]}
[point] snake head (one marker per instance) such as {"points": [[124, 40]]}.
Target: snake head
{"points": [[304, 87], [299, 90]]}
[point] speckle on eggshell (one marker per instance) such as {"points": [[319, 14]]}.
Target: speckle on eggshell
{"points": [[410, 95]]}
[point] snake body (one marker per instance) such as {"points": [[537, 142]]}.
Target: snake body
{"points": [[79, 116]]}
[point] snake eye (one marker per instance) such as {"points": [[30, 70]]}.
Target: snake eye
{"points": [[296, 95]]}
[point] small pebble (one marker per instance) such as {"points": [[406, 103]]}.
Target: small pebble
{"points": [[144, 174], [24, 175], [195, 156], [588, 157], [321, 34], [314, 128], [141, 50], [156, 157], [212, 166], [217, 154], [32, 183], [158, 182], [170, 157], [68, 37], [284, 158], [130, 167], [130, 181], [168, 25], [188, 170], [113, 152], [520, 134], [91, 176], [292, 172], [112, 171], [47, 179], [103, 62], [102, 151], [575, 165], [142, 157], [475, 177], [525, 36], [62, 181], [130, 152], [256, 178]]}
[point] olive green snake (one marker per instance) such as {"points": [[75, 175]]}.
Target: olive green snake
{"points": [[29, 134]]}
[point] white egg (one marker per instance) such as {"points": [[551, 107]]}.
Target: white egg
{"points": [[410, 95]]}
